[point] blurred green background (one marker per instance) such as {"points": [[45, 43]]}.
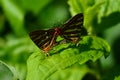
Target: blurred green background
{"points": [[19, 17]]}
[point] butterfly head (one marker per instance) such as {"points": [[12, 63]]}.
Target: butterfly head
{"points": [[58, 31]]}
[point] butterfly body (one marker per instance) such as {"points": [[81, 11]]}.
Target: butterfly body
{"points": [[70, 31], [57, 32]]}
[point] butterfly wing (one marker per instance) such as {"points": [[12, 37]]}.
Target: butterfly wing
{"points": [[71, 30], [44, 39]]}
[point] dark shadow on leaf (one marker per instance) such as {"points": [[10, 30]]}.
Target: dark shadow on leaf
{"points": [[89, 76], [81, 47], [116, 50], [107, 22]]}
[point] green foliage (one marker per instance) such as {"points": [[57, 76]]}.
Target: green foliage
{"points": [[35, 6], [20, 58], [15, 51], [17, 47], [111, 74], [99, 15], [64, 56], [60, 15], [15, 15], [5, 72], [76, 72], [117, 78]]}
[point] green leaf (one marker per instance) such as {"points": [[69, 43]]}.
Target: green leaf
{"points": [[111, 73], [65, 55], [108, 15], [90, 17], [35, 5], [90, 10], [79, 6], [109, 7], [14, 15], [5, 72], [117, 78], [57, 15], [75, 72], [16, 50], [98, 15]]}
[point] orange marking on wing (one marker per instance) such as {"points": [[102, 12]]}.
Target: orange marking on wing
{"points": [[52, 43]]}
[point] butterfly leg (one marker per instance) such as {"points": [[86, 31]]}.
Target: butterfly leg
{"points": [[47, 54]]}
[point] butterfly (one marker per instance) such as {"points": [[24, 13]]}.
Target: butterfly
{"points": [[70, 31]]}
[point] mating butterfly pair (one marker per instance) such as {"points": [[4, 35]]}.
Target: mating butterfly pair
{"points": [[70, 31]]}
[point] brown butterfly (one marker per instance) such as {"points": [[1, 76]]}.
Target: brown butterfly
{"points": [[70, 31]]}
